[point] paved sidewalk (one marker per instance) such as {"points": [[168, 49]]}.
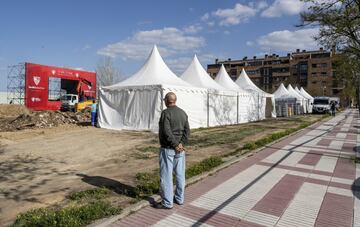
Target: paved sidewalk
{"points": [[308, 179]]}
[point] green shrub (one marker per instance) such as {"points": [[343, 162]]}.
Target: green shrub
{"points": [[203, 166], [250, 146], [95, 193], [147, 184], [69, 216]]}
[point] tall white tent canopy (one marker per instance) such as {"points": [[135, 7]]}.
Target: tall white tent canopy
{"points": [[283, 101], [300, 99], [244, 82], [136, 103], [307, 100], [223, 78], [247, 108], [282, 93], [311, 99], [196, 75]]}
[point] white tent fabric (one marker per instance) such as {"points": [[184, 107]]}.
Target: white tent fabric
{"points": [[311, 99], [196, 75], [248, 107], [223, 78], [282, 93], [283, 101], [244, 82], [300, 99], [136, 103], [307, 101]]}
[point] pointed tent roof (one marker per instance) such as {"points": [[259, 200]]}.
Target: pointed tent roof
{"points": [[196, 75], [302, 90], [298, 91], [294, 93], [282, 93], [153, 72], [224, 80], [244, 82]]}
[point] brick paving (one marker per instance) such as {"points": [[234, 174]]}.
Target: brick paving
{"points": [[307, 179]]}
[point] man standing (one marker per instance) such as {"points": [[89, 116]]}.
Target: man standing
{"points": [[93, 113], [174, 132]]}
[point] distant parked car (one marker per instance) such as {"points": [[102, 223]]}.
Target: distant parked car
{"points": [[321, 104]]}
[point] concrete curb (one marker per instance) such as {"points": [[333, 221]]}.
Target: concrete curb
{"points": [[144, 203]]}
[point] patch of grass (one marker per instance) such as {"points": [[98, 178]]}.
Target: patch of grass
{"points": [[147, 184], [203, 166], [149, 149], [95, 193], [69, 216], [227, 136], [146, 152]]}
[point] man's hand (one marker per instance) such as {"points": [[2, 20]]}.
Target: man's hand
{"points": [[179, 148]]}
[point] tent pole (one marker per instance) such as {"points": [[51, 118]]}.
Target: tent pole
{"points": [[162, 98], [237, 109], [208, 108], [258, 107]]}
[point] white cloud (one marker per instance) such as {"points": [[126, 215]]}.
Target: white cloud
{"points": [[169, 40], [240, 13], [233, 16], [86, 47], [205, 17], [192, 29], [179, 65], [284, 7], [288, 40], [249, 43]]}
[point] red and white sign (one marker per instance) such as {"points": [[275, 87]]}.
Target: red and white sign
{"points": [[36, 80]]}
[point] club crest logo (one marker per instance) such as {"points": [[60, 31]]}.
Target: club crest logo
{"points": [[36, 80], [53, 71]]}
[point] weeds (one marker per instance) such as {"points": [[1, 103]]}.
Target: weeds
{"points": [[70, 216], [95, 193]]}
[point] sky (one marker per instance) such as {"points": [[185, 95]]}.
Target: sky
{"points": [[81, 33]]}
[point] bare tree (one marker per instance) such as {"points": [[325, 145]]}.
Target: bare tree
{"points": [[106, 73]]}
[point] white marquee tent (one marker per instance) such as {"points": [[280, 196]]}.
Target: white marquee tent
{"points": [[224, 105], [299, 99], [244, 82], [196, 75], [307, 100], [311, 99], [247, 103], [136, 103], [283, 101]]}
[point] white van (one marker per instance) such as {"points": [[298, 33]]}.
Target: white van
{"points": [[321, 104]]}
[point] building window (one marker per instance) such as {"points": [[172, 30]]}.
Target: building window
{"points": [[323, 65], [313, 65], [54, 89], [324, 73]]}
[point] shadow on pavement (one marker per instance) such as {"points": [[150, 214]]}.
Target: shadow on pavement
{"points": [[108, 183], [355, 188]]}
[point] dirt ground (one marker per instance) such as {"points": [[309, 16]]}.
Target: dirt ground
{"points": [[40, 166]]}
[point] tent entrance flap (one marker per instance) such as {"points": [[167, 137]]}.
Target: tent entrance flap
{"points": [[268, 107]]}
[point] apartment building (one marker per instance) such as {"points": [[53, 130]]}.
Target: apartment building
{"points": [[312, 70]]}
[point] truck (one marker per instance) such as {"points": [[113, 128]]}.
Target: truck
{"points": [[321, 104], [70, 102]]}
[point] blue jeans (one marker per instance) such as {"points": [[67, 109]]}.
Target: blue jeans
{"points": [[93, 118], [171, 161]]}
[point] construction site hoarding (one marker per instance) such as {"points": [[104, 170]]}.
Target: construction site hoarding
{"points": [[44, 85]]}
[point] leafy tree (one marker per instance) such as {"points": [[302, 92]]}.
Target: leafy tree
{"points": [[339, 26]]}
